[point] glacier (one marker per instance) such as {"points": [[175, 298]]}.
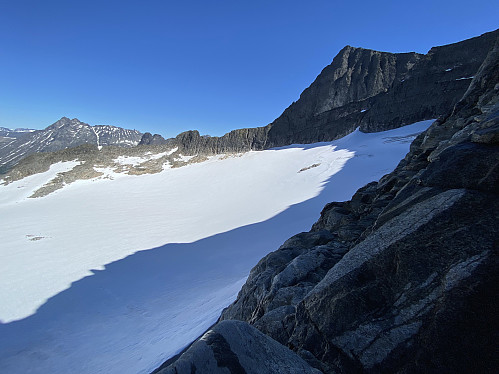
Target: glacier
{"points": [[117, 274]]}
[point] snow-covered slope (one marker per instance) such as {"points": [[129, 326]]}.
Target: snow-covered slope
{"points": [[116, 274]]}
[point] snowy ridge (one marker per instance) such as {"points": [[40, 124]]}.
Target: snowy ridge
{"points": [[5, 130], [172, 248], [62, 134]]}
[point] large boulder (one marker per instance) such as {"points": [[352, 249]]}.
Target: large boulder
{"points": [[234, 347]]}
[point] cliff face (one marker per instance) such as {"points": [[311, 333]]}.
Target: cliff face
{"points": [[242, 140], [380, 91], [343, 90], [434, 85], [363, 88], [403, 278], [355, 74]]}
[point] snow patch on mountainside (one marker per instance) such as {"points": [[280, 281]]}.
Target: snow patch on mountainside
{"points": [[137, 160], [117, 274], [18, 191]]}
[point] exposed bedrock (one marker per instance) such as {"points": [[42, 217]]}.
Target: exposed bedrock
{"points": [[404, 277], [373, 90], [238, 348]]}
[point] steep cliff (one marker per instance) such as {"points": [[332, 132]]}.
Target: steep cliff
{"points": [[363, 88], [404, 277]]}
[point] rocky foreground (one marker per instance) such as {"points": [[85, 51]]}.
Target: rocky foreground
{"points": [[403, 278]]}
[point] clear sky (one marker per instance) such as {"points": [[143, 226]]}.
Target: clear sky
{"points": [[170, 66]]}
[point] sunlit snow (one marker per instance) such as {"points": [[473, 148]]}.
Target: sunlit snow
{"points": [[136, 160], [115, 275], [184, 158]]}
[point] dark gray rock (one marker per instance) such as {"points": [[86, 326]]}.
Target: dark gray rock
{"points": [[8, 135], [432, 87], [468, 165], [402, 278], [256, 295], [149, 139], [379, 91], [371, 307], [363, 88], [489, 135], [332, 106], [238, 348], [242, 140]]}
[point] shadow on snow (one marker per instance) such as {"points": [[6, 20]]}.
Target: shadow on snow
{"points": [[152, 300]]}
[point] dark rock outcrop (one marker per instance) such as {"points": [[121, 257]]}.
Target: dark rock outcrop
{"points": [[363, 88], [236, 347], [377, 91], [242, 140], [404, 277], [149, 139]]}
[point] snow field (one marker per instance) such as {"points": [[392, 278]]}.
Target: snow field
{"points": [[116, 275]]}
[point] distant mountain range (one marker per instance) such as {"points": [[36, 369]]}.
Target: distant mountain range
{"points": [[19, 143], [5, 132]]}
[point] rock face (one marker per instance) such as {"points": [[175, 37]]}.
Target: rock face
{"points": [[62, 134], [149, 139], [6, 134], [363, 88], [237, 347], [242, 140], [404, 277], [379, 91]]}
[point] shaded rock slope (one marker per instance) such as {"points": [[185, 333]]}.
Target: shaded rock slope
{"points": [[403, 278], [363, 88], [237, 347]]}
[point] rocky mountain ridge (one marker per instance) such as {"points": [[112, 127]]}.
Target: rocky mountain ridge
{"points": [[6, 132], [403, 278], [65, 133], [361, 88], [9, 135]]}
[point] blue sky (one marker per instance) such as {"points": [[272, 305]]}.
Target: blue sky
{"points": [[171, 66]]}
